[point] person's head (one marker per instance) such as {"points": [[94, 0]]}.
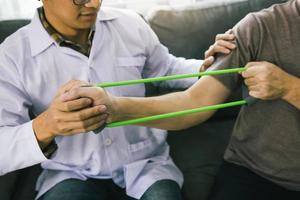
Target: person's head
{"points": [[72, 14]]}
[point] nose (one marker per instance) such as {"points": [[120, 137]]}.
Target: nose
{"points": [[93, 4]]}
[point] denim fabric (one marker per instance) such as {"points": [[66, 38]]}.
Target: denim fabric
{"points": [[93, 189], [163, 190]]}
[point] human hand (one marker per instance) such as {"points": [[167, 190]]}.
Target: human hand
{"points": [[265, 80], [68, 117], [223, 44], [98, 96]]}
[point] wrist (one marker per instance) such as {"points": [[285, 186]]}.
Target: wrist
{"points": [[43, 135], [116, 109], [291, 85]]}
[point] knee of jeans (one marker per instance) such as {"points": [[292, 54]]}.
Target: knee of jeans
{"points": [[163, 190]]}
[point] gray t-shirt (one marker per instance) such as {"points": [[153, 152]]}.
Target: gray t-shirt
{"points": [[266, 136]]}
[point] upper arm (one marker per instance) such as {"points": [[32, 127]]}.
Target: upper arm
{"points": [[14, 101], [160, 62], [248, 42], [211, 90]]}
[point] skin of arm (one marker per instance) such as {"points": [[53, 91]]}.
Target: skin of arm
{"points": [[67, 118], [206, 91]]}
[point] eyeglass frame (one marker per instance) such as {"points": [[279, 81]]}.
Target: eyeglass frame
{"points": [[79, 4]]}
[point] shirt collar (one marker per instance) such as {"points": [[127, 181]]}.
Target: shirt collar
{"points": [[107, 14], [39, 38]]}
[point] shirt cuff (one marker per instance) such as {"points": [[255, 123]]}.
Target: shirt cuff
{"points": [[31, 144]]}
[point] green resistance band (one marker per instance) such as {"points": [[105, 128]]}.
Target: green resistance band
{"points": [[173, 114], [168, 78], [176, 114]]}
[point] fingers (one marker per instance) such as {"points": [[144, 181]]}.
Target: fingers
{"points": [[254, 88], [257, 94], [80, 121], [226, 36], [207, 63], [83, 114], [250, 81], [252, 70], [229, 31], [69, 85], [220, 46], [227, 45], [84, 125], [90, 128], [90, 92], [74, 105], [83, 128], [209, 52], [216, 49]]}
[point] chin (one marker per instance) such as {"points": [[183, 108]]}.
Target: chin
{"points": [[86, 25]]}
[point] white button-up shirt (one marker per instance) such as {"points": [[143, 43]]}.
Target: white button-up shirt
{"points": [[33, 67]]}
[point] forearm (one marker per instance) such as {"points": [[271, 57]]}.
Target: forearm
{"points": [[205, 92], [132, 108], [292, 95]]}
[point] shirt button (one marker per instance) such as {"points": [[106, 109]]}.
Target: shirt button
{"points": [[114, 174], [108, 142], [91, 64]]}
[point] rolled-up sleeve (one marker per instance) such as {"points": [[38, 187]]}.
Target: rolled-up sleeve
{"points": [[18, 145]]}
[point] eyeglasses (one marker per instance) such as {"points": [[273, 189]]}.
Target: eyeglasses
{"points": [[80, 2]]}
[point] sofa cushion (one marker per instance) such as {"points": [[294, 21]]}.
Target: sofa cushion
{"points": [[198, 152]]}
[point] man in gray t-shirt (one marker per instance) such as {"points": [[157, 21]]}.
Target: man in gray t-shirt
{"points": [[263, 156], [262, 160]]}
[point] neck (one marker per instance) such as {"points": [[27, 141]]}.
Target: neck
{"points": [[79, 36]]}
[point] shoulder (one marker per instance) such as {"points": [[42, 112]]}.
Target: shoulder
{"points": [[269, 18], [119, 15], [16, 40], [14, 49]]}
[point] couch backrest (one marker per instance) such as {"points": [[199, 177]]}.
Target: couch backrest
{"points": [[189, 30], [8, 27]]}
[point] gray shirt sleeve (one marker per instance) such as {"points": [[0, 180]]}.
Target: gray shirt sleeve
{"points": [[247, 40]]}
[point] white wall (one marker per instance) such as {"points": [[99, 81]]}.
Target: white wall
{"points": [[12, 9]]}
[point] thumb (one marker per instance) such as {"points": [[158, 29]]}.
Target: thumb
{"points": [[207, 63]]}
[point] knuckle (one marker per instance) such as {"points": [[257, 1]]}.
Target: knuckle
{"points": [[81, 116], [78, 116], [57, 119], [62, 128], [68, 106], [83, 125]]}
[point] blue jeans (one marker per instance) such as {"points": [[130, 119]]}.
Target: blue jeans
{"points": [[92, 189]]}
